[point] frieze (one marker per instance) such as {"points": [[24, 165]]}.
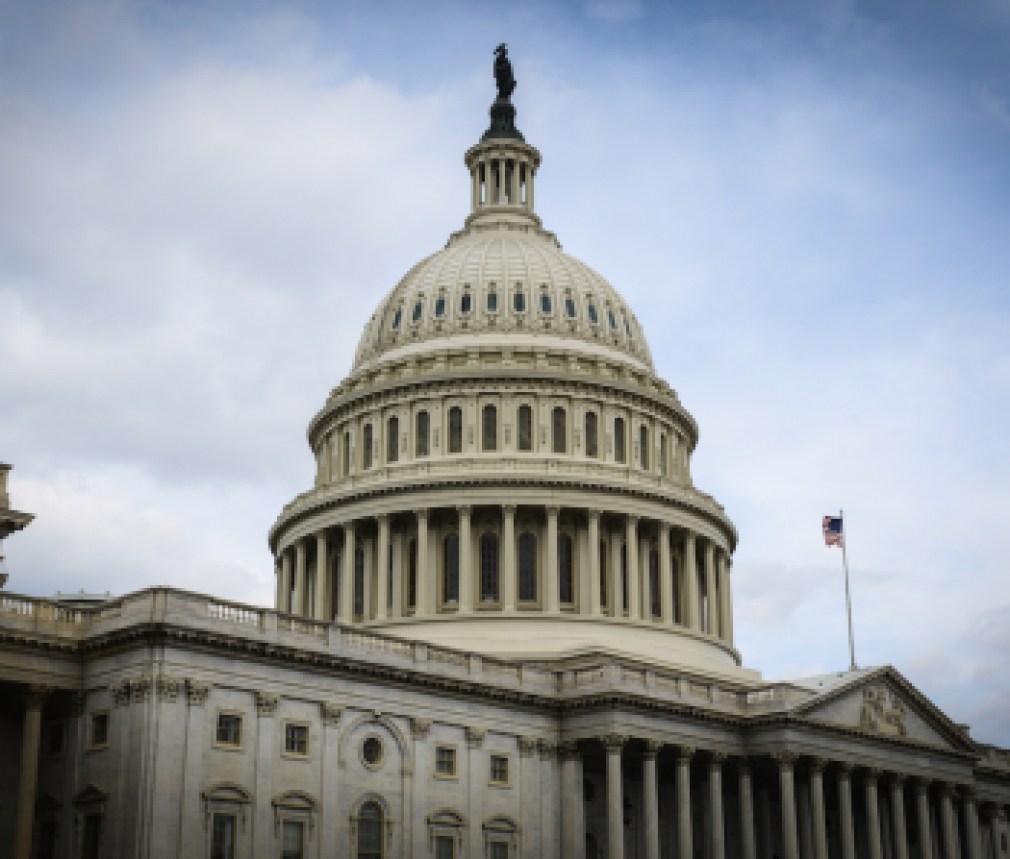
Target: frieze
{"points": [[140, 688], [266, 703], [169, 688], [196, 692]]}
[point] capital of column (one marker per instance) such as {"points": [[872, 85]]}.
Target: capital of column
{"points": [[716, 758], [922, 783], [872, 774], [380, 517], [463, 509], [785, 759], [419, 728], [546, 747], [968, 792], [685, 753], [569, 750], [527, 745], [817, 765], [509, 509], [844, 768], [475, 737], [898, 779], [421, 513], [553, 510], [651, 748], [594, 514], [614, 741], [945, 788], [35, 694]]}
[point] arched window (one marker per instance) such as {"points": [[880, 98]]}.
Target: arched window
{"points": [[489, 568], [527, 567], [359, 582], [559, 430], [643, 444], [566, 575], [440, 307], [570, 308], [421, 434], [525, 421], [492, 302], [603, 574], [412, 574], [450, 568], [366, 447], [369, 826], [393, 440], [592, 443], [416, 315], [489, 428], [654, 594], [455, 430], [619, 454], [519, 301], [545, 302], [396, 318], [464, 302], [591, 310]]}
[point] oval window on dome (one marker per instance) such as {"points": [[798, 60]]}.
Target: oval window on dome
{"points": [[440, 307], [519, 301], [492, 302], [545, 303], [416, 315], [396, 318], [570, 308], [591, 310], [464, 303]]}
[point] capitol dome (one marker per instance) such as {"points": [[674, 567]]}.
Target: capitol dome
{"points": [[502, 471]]}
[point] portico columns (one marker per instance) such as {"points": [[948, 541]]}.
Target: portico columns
{"points": [[594, 563], [345, 609], [382, 569], [717, 837], [573, 837], [508, 571], [634, 569], [922, 814], [787, 791], [684, 836], [551, 596], [725, 604], [898, 816], [711, 596], [615, 802], [747, 841], [465, 560], [666, 583], [691, 582], [322, 577], [948, 823], [650, 800], [873, 814], [425, 585], [300, 600], [616, 585], [284, 604], [845, 811], [817, 803], [971, 824], [28, 777]]}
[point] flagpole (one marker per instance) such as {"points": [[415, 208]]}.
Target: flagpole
{"points": [[848, 599]]}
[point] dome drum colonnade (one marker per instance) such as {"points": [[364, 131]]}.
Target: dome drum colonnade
{"points": [[766, 805], [503, 449]]}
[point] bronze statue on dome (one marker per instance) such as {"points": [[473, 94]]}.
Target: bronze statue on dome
{"points": [[503, 76]]}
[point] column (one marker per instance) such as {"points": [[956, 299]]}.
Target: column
{"points": [[300, 600], [725, 612], [425, 585], [514, 184], [922, 819], [644, 577], [873, 814], [529, 187], [322, 578], [650, 798], [508, 556], [691, 582], [285, 600], [948, 823], [382, 569], [804, 822], [278, 583], [684, 836], [787, 790], [712, 599], [717, 837], [615, 802], [346, 607], [748, 844], [499, 180], [666, 583], [475, 188], [397, 552], [616, 589], [898, 816], [817, 804], [465, 560], [971, 824], [573, 832], [552, 601], [28, 776], [848, 835], [594, 563], [634, 570]]}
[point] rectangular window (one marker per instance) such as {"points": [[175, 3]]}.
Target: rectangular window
{"points": [[100, 730], [347, 453], [296, 739], [445, 761], [222, 838], [525, 428], [293, 840], [229, 729], [619, 455], [591, 435], [499, 850], [393, 439], [421, 440], [91, 838], [444, 847], [643, 443], [455, 430], [489, 431], [559, 430], [366, 447], [450, 572], [663, 467], [499, 769]]}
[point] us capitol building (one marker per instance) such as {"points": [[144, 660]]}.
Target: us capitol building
{"points": [[503, 626]]}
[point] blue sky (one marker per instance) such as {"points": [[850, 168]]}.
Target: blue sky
{"points": [[805, 203]]}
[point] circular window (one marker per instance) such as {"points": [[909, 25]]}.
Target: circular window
{"points": [[371, 751]]}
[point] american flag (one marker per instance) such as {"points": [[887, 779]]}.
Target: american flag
{"points": [[832, 527]]}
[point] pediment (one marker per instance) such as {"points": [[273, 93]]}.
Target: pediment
{"points": [[884, 704]]}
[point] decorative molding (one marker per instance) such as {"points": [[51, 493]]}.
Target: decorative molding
{"points": [[169, 688], [121, 693], [614, 742], [475, 737], [685, 753], [196, 692], [817, 765], [569, 750], [527, 745], [419, 728], [651, 748], [266, 703], [140, 689], [716, 758], [546, 747], [330, 713], [784, 758]]}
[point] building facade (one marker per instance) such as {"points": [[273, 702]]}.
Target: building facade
{"points": [[502, 628]]}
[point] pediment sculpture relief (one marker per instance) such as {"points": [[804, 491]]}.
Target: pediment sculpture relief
{"points": [[882, 712]]}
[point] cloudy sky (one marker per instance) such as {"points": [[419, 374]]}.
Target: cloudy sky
{"points": [[805, 202]]}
